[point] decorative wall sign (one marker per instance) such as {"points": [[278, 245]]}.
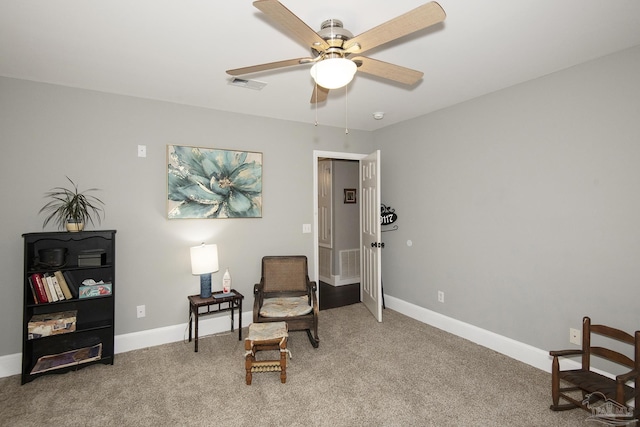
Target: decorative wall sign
{"points": [[387, 215], [213, 183], [349, 195]]}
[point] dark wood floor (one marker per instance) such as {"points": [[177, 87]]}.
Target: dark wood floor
{"points": [[338, 296]]}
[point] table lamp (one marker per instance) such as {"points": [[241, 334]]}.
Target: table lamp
{"points": [[204, 261]]}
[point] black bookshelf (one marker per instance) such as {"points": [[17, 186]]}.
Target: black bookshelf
{"points": [[94, 322]]}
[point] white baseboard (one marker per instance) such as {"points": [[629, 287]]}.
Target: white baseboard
{"points": [[11, 364], [514, 349], [325, 279], [339, 281]]}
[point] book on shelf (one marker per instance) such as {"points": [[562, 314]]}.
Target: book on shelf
{"points": [[68, 358], [63, 284], [71, 283], [36, 279], [52, 294], [33, 291], [44, 287], [57, 287]]}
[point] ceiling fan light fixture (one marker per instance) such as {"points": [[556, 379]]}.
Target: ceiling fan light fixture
{"points": [[333, 73]]}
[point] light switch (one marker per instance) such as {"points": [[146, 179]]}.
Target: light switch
{"points": [[142, 151], [306, 228]]}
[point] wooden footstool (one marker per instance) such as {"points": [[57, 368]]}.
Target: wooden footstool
{"points": [[266, 336]]}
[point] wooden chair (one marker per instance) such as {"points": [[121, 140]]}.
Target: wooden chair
{"points": [[285, 294], [591, 384]]}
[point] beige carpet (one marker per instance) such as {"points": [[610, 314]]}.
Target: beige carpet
{"points": [[396, 373]]}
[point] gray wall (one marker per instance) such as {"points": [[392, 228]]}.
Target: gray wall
{"points": [[523, 206], [48, 131]]}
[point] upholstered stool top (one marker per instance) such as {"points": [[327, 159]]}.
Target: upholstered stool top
{"points": [[267, 331]]}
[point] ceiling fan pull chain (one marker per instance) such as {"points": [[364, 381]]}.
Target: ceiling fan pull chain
{"points": [[316, 95], [346, 110]]}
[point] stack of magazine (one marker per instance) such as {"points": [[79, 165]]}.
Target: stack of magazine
{"points": [[68, 358]]}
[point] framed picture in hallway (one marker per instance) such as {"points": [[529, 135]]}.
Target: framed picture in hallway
{"points": [[349, 195], [211, 183]]}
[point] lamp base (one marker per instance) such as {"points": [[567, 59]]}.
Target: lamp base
{"points": [[205, 285]]}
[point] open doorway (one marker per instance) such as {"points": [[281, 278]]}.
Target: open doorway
{"points": [[338, 232], [369, 225]]}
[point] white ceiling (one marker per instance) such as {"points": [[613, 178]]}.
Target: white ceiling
{"points": [[178, 51]]}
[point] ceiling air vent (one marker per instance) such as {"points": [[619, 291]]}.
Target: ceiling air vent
{"points": [[249, 84]]}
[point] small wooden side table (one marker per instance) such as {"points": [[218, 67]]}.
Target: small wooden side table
{"points": [[216, 303]]}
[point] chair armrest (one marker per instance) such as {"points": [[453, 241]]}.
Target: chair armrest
{"points": [[311, 292], [565, 353], [257, 288], [256, 310], [623, 378], [258, 297], [314, 299]]}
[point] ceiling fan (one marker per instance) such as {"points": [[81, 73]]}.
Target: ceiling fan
{"points": [[335, 52]]}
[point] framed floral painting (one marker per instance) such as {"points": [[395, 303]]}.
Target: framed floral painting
{"points": [[213, 183]]}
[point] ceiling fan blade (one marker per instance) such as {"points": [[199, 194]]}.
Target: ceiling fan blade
{"points": [[387, 71], [417, 19], [283, 16], [268, 66], [319, 94]]}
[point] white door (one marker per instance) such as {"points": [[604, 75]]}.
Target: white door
{"points": [[371, 279]]}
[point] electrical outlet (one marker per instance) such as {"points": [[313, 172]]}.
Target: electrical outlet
{"points": [[440, 296], [140, 311], [574, 336]]}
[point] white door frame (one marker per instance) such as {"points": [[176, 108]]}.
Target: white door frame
{"points": [[318, 155]]}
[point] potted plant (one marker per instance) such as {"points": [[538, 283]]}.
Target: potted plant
{"points": [[71, 208]]}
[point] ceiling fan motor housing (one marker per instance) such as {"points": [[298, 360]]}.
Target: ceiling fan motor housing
{"points": [[335, 35]]}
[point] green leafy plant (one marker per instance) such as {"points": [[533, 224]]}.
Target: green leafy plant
{"points": [[71, 206]]}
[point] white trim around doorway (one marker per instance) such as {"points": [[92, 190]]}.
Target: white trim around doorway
{"points": [[316, 156]]}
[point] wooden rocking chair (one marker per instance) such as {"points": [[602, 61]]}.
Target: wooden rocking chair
{"points": [[285, 294], [593, 385]]}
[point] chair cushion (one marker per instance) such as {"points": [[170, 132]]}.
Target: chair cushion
{"points": [[285, 307]]}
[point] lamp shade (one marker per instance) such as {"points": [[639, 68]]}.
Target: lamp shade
{"points": [[333, 73], [204, 259]]}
